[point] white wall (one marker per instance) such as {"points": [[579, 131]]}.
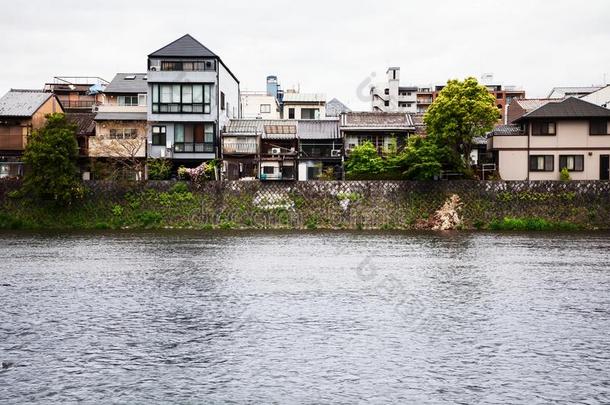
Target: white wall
{"points": [[599, 97], [251, 106]]}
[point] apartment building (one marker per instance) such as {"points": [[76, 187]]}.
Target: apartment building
{"points": [[570, 133], [263, 104], [192, 95], [390, 96]]}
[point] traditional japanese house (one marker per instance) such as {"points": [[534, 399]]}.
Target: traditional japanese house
{"points": [[279, 151], [320, 150]]}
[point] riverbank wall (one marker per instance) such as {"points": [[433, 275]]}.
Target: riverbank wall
{"points": [[316, 205]]}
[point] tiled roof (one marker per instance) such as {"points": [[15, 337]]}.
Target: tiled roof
{"points": [[84, 121], [571, 107], [318, 129], [530, 104], [506, 130], [304, 97], [251, 126], [22, 103], [185, 46], [121, 116], [334, 108], [128, 83], [378, 120]]}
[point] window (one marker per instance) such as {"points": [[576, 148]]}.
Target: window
{"points": [[268, 169], [291, 113], [598, 127], [543, 128], [386, 103], [499, 96], [574, 163], [194, 138], [265, 108], [222, 100], [158, 135], [142, 99], [190, 66], [386, 92], [123, 133], [185, 98], [309, 113], [542, 163], [128, 100]]}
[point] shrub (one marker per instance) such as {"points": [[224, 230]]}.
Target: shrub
{"points": [[179, 188], [149, 218], [159, 169], [565, 174]]}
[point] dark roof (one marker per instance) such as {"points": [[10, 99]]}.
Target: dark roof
{"points": [[376, 120], [506, 130], [185, 46], [84, 121], [334, 108], [121, 116], [22, 103], [128, 83], [569, 108]]}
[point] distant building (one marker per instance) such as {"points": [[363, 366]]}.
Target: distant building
{"points": [[570, 133], [600, 97], [563, 92], [303, 106], [263, 104], [334, 108], [391, 96], [519, 107], [192, 95], [21, 112]]}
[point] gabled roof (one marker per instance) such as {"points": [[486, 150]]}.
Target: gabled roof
{"points": [[571, 107], [185, 46], [128, 83], [85, 124], [22, 103], [530, 104], [376, 120], [334, 108]]}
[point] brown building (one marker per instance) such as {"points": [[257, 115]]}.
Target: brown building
{"points": [[21, 112]]}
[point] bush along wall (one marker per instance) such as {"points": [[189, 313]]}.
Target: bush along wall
{"points": [[320, 205]]}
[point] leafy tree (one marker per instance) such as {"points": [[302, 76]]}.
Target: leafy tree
{"points": [[159, 169], [364, 161], [462, 111], [50, 155]]}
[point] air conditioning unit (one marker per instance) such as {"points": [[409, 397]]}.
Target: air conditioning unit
{"points": [[276, 151], [335, 153], [95, 108], [154, 68]]}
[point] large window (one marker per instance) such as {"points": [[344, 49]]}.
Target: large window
{"points": [[543, 128], [309, 113], [123, 133], [598, 127], [182, 98], [159, 135], [574, 163], [190, 138], [189, 66], [542, 163], [128, 100]]}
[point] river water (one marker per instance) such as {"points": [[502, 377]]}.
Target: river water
{"points": [[305, 318]]}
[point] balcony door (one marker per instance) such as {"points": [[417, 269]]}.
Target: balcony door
{"points": [[604, 167]]}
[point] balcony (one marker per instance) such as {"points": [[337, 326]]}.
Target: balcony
{"points": [[233, 147], [193, 147], [77, 104], [424, 101], [114, 108]]}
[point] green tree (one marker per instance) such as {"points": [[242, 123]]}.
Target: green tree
{"points": [[363, 162], [463, 110], [159, 169], [50, 156]]}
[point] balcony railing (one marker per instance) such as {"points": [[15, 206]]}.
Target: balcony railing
{"points": [[240, 147], [84, 104], [193, 147]]}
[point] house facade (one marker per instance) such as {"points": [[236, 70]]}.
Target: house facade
{"points": [[192, 95], [570, 133], [320, 149], [21, 112], [121, 129], [379, 128], [303, 106]]}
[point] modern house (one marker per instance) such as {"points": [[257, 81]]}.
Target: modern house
{"points": [[391, 96], [320, 149], [192, 95], [121, 129], [569, 133], [21, 112], [303, 106], [379, 128]]}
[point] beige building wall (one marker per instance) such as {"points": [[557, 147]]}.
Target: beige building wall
{"points": [[513, 164], [101, 145], [251, 106]]}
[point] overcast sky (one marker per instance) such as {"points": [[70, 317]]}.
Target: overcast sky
{"points": [[322, 46]]}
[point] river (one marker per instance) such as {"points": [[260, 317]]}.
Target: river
{"points": [[157, 317]]}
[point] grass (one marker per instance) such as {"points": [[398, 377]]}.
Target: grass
{"points": [[531, 224]]}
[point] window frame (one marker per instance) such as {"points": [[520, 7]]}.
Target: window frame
{"points": [[591, 132], [125, 133], [192, 147], [162, 133], [540, 125], [122, 100], [180, 107], [267, 109], [544, 169], [582, 163], [181, 65]]}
